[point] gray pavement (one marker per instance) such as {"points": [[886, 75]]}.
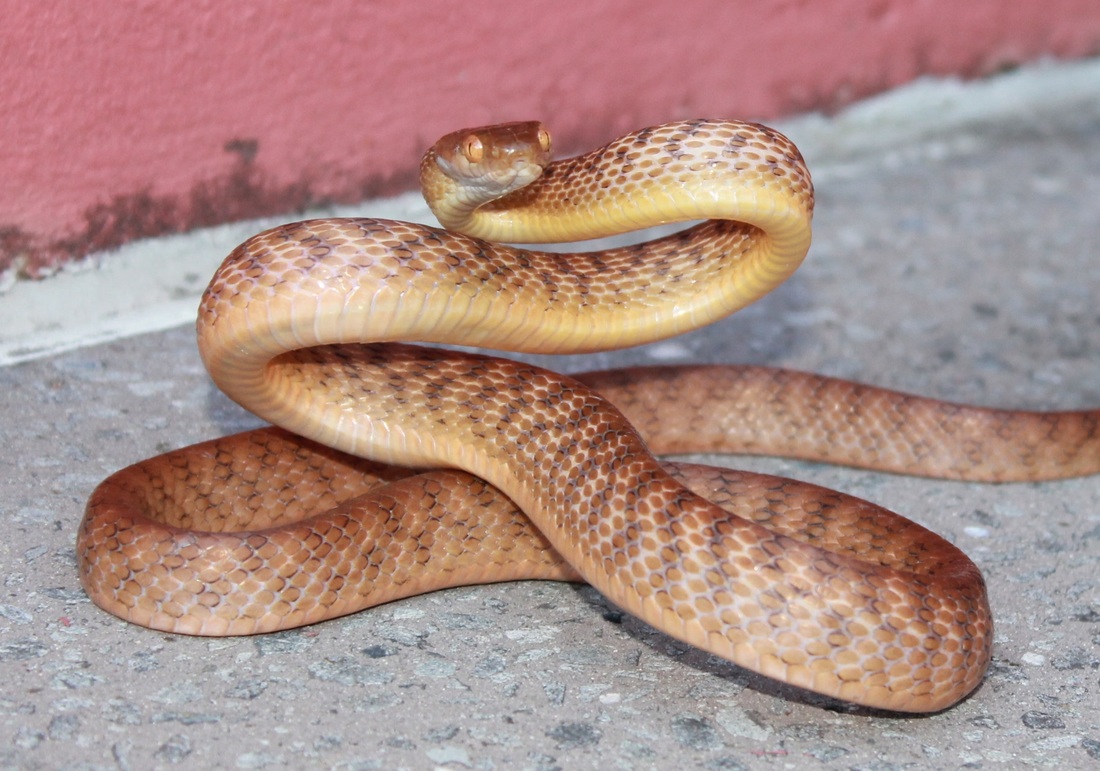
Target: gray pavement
{"points": [[960, 263]]}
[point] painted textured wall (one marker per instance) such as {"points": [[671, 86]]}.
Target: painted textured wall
{"points": [[127, 118]]}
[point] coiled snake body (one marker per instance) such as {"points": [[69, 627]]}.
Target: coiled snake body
{"points": [[303, 325]]}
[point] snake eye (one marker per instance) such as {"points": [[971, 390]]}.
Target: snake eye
{"points": [[473, 149], [544, 139]]}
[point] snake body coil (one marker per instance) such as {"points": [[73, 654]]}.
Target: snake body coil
{"points": [[305, 324]]}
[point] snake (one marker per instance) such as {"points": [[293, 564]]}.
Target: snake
{"points": [[400, 462]]}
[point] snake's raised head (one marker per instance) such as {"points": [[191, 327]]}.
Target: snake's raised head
{"points": [[471, 167]]}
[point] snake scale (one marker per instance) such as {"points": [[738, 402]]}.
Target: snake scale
{"points": [[397, 469]]}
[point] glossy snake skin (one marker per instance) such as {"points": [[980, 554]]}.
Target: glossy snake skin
{"points": [[304, 325]]}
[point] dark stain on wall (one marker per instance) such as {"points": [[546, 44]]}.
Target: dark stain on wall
{"points": [[242, 193]]}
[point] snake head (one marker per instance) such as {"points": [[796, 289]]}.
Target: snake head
{"points": [[471, 167]]}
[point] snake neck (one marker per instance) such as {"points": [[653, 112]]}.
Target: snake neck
{"points": [[678, 172]]}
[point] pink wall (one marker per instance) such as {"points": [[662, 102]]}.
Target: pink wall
{"points": [[127, 118]]}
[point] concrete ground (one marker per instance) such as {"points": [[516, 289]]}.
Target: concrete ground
{"points": [[955, 255]]}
